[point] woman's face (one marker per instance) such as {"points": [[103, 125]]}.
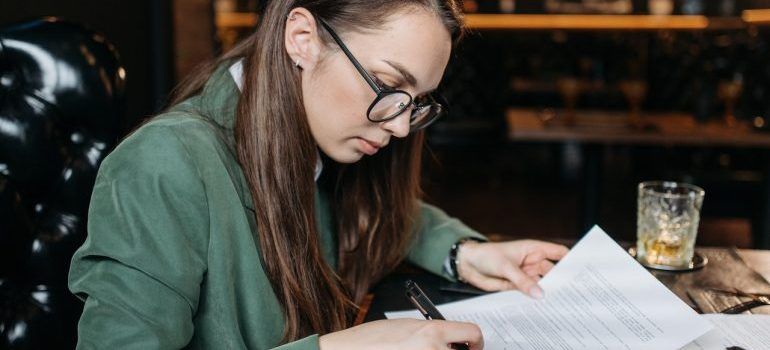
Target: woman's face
{"points": [[410, 53]]}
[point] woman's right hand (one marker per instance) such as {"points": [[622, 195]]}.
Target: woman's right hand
{"points": [[404, 334]]}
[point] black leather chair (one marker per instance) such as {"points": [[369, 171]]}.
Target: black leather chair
{"points": [[61, 97]]}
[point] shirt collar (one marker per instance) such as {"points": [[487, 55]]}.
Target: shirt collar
{"points": [[236, 71]]}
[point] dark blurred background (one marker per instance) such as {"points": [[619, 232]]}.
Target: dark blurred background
{"points": [[558, 109], [554, 123], [543, 139], [142, 31], [487, 168]]}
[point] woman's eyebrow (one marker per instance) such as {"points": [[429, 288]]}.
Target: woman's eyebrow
{"points": [[404, 72]]}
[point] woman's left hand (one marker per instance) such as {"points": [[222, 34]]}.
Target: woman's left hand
{"points": [[508, 265]]}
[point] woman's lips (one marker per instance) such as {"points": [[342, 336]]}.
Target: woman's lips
{"points": [[368, 147]]}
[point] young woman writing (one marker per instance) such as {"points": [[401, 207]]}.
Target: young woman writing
{"points": [[281, 184]]}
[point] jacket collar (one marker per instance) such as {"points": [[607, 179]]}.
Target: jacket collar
{"points": [[217, 102], [219, 98]]}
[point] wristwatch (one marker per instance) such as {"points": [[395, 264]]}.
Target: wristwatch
{"points": [[453, 255]]}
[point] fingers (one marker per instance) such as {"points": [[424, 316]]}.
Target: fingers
{"points": [[534, 250], [532, 271], [527, 261], [493, 284], [554, 251], [462, 332], [523, 282], [487, 283], [538, 269], [544, 267]]}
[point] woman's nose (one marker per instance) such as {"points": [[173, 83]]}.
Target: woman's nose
{"points": [[398, 126]]}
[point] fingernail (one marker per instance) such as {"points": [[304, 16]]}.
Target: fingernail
{"points": [[536, 292]]}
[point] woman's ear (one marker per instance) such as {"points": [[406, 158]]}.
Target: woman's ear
{"points": [[303, 44]]}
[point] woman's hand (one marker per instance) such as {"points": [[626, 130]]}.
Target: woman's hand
{"points": [[508, 265], [404, 334]]}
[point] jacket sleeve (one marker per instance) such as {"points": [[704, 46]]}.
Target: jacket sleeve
{"points": [[436, 233], [142, 265], [140, 269]]}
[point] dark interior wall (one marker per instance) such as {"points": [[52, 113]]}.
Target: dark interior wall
{"points": [[195, 35], [141, 31]]}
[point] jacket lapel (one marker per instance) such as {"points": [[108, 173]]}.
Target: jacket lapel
{"points": [[217, 104]]}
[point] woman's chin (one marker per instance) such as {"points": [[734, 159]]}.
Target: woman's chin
{"points": [[345, 156], [351, 157]]}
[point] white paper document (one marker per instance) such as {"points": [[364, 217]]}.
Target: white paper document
{"points": [[596, 297], [748, 332]]}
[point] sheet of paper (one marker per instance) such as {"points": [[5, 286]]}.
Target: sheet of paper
{"points": [[748, 332], [597, 297]]}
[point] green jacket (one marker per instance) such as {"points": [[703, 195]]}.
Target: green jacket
{"points": [[171, 259]]}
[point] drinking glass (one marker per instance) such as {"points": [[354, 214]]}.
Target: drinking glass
{"points": [[668, 214]]}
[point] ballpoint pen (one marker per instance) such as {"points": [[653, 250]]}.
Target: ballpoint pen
{"points": [[426, 307]]}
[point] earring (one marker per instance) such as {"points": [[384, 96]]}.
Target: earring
{"points": [[296, 63], [291, 17]]}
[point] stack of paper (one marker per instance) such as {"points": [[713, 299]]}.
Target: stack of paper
{"points": [[597, 297], [734, 332]]}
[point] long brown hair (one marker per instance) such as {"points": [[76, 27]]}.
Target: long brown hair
{"points": [[374, 201]]}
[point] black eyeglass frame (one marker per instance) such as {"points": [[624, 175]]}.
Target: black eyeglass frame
{"points": [[382, 93]]}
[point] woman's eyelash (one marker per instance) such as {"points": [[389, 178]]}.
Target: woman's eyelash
{"points": [[383, 85], [419, 99]]}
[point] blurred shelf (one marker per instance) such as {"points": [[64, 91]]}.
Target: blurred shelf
{"points": [[236, 20], [585, 22], [758, 17], [611, 127], [567, 22]]}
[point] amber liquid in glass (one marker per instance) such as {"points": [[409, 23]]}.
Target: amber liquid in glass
{"points": [[672, 247]]}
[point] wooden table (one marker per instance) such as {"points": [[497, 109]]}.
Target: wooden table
{"points": [[388, 295], [611, 127], [759, 260]]}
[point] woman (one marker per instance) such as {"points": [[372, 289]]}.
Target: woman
{"points": [[210, 227]]}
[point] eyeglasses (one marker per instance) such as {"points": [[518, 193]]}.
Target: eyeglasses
{"points": [[390, 103]]}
